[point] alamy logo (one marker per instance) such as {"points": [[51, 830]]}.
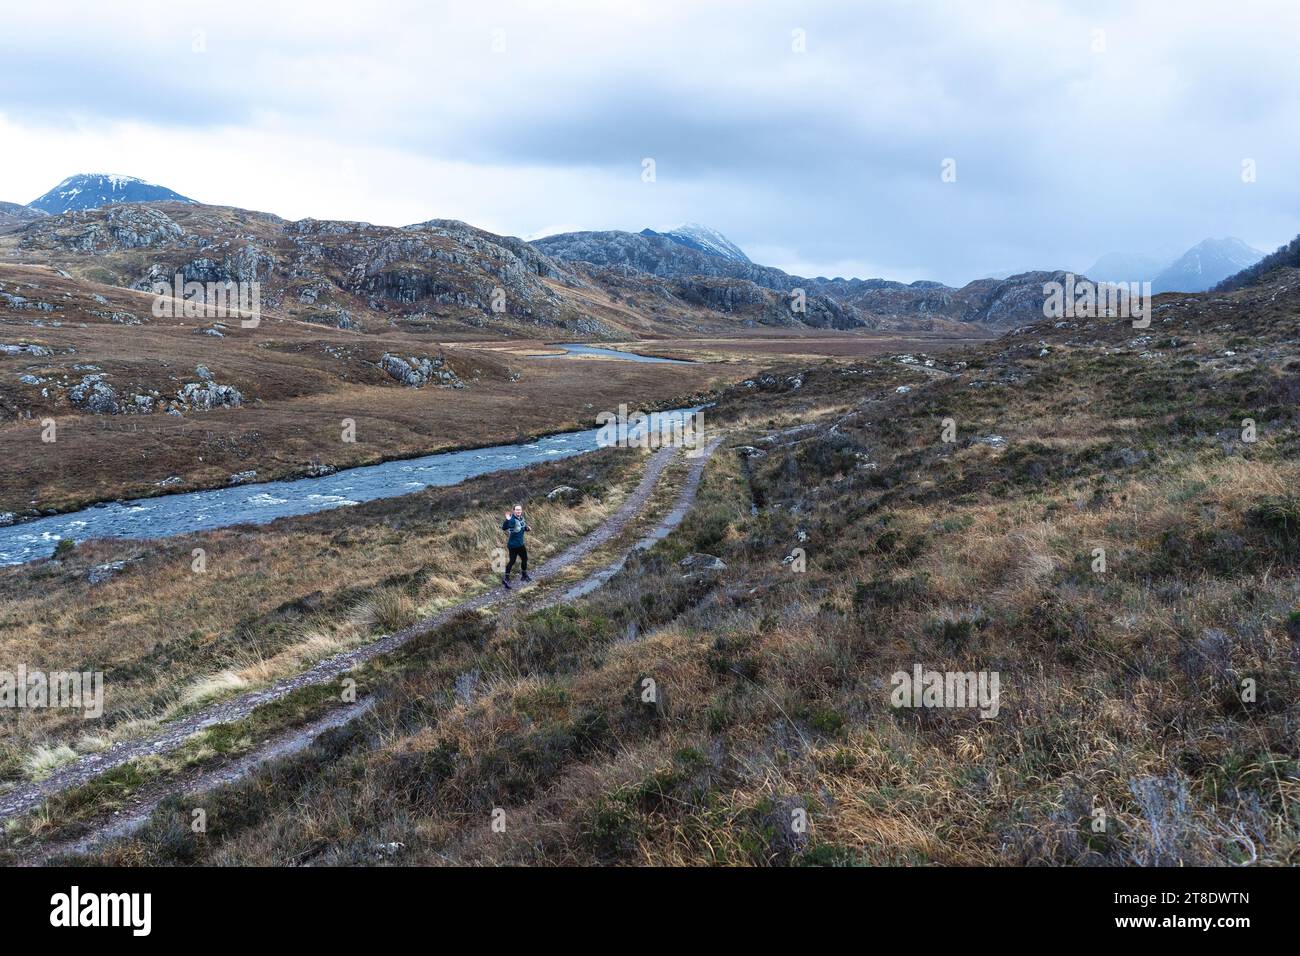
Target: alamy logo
{"points": [[37, 690], [653, 430], [103, 909], [211, 300], [1077, 298], [952, 689]]}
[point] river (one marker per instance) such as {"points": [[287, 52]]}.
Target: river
{"points": [[258, 503]]}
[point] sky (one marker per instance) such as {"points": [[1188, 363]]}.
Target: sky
{"points": [[896, 138]]}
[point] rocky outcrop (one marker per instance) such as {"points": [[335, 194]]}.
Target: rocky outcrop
{"points": [[21, 303], [208, 394], [746, 300], [418, 371], [118, 227], [24, 348], [95, 395]]}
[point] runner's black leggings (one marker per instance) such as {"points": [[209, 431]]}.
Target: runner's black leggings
{"points": [[521, 553]]}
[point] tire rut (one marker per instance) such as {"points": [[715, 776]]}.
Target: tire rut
{"points": [[26, 796]]}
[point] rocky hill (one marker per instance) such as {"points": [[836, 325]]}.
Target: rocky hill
{"points": [[13, 215], [341, 274]]}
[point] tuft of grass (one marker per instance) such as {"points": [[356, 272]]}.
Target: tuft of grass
{"points": [[208, 688], [385, 611], [44, 760]]}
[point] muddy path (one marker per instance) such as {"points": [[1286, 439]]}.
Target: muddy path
{"points": [[138, 809]]}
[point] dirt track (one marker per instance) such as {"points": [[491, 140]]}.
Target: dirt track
{"points": [[28, 796]]}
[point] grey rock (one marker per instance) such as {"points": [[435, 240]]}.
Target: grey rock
{"points": [[21, 303], [698, 561], [95, 395], [25, 349], [209, 394]]}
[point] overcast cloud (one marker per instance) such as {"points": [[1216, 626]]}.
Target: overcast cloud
{"points": [[531, 118]]}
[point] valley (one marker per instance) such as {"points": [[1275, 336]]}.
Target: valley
{"points": [[1119, 686], [895, 472]]}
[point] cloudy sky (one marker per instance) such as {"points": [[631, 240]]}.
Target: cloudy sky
{"points": [[815, 135]]}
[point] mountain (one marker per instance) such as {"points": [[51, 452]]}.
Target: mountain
{"points": [[732, 286], [92, 190], [1205, 265], [1127, 267], [440, 273], [702, 239], [1285, 257], [13, 215]]}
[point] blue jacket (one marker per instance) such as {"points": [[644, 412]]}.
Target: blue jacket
{"points": [[516, 527]]}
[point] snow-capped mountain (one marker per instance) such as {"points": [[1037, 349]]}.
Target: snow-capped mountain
{"points": [[92, 190], [1205, 265], [703, 239]]}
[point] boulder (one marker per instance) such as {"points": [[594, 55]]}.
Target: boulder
{"points": [[565, 494]]}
